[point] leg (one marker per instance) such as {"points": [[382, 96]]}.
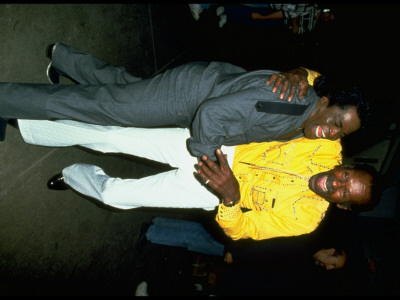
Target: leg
{"points": [[168, 99], [177, 188], [165, 145], [182, 233], [86, 69], [172, 189]]}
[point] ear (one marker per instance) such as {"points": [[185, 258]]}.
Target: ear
{"points": [[324, 100], [344, 206]]}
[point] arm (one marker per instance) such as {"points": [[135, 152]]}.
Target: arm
{"points": [[232, 119], [291, 80], [272, 16], [260, 225], [253, 224]]}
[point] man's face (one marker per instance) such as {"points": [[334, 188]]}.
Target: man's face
{"points": [[343, 186], [330, 259], [331, 122]]}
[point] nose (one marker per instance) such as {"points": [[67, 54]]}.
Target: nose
{"points": [[337, 183], [334, 132]]}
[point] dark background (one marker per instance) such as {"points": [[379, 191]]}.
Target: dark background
{"points": [[360, 46], [59, 243]]}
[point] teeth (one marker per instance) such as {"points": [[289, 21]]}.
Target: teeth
{"points": [[316, 132], [322, 184]]}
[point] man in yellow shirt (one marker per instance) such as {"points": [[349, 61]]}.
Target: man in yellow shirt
{"points": [[261, 173], [284, 189]]}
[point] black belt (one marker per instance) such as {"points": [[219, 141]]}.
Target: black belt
{"points": [[281, 108]]}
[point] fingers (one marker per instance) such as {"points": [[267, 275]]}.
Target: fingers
{"points": [[284, 88], [272, 78], [210, 170], [223, 160], [292, 91], [282, 84], [303, 88], [207, 170], [287, 83]]}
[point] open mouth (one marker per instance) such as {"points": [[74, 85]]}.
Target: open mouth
{"points": [[319, 133], [322, 184]]}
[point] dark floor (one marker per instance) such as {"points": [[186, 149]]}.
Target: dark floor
{"points": [[59, 243]]}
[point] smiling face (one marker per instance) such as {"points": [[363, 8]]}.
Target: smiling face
{"points": [[331, 122], [343, 186]]}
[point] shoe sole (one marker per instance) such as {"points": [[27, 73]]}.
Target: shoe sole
{"points": [[48, 70]]}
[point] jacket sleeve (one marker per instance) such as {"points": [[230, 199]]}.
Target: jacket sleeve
{"points": [[229, 119]]}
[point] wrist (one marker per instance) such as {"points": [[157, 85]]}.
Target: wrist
{"points": [[305, 72], [230, 203]]}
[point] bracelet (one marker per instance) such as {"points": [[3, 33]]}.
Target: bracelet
{"points": [[229, 204]]}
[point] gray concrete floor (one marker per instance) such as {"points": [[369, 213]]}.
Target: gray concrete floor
{"points": [[58, 242], [60, 237]]}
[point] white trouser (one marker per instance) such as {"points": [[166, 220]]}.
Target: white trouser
{"points": [[176, 188]]}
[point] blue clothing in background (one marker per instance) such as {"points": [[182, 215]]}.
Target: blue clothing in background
{"points": [[182, 233]]}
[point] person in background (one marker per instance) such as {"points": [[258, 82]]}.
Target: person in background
{"points": [[298, 18], [273, 254]]}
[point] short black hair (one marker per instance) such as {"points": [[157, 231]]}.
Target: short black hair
{"points": [[376, 186], [343, 94]]}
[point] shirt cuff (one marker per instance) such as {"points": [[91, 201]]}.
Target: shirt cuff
{"points": [[226, 213], [311, 75]]}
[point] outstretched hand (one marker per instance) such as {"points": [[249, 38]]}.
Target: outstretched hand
{"points": [[219, 177], [290, 80]]}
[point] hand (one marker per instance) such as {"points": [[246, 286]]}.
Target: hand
{"points": [[219, 177], [228, 258], [293, 79], [256, 16]]}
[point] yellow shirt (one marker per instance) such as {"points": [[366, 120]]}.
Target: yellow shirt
{"points": [[311, 75], [275, 188]]}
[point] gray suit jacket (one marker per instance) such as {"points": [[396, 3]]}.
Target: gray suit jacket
{"points": [[230, 115]]}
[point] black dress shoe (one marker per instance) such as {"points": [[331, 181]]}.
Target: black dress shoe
{"points": [[52, 74], [3, 126], [49, 50], [57, 183]]}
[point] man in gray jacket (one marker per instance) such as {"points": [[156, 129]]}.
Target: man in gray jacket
{"points": [[221, 103]]}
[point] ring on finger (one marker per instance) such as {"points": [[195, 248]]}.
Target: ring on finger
{"points": [[207, 181], [282, 76]]}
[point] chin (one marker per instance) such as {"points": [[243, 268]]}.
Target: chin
{"points": [[309, 134]]}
